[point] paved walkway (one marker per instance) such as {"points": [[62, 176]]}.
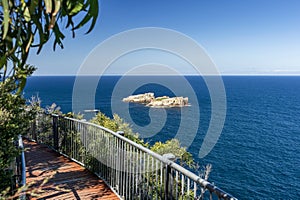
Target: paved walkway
{"points": [[53, 176]]}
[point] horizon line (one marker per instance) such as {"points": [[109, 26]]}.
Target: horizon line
{"points": [[297, 74]]}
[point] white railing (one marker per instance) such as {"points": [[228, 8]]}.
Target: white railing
{"points": [[130, 169]]}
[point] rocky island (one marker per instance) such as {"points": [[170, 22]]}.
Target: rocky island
{"points": [[161, 102]]}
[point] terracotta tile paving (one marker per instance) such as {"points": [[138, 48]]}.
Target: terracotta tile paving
{"points": [[63, 178]]}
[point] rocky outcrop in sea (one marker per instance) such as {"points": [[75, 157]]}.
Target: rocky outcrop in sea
{"points": [[159, 102]]}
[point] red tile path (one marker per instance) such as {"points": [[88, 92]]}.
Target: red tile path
{"points": [[53, 176]]}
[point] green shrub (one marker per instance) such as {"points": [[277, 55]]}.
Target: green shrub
{"points": [[14, 120], [170, 146]]}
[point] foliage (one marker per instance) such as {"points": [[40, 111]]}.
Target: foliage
{"points": [[170, 146], [173, 146], [25, 25], [128, 132], [34, 105], [53, 109], [73, 115], [14, 120], [30, 24], [151, 183], [118, 124], [105, 121]]}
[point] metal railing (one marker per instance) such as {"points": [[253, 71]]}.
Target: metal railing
{"points": [[130, 169], [20, 169]]}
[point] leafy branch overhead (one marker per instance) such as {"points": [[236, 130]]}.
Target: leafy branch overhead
{"points": [[32, 23]]}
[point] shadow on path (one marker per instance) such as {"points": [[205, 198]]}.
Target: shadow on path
{"points": [[53, 176]]}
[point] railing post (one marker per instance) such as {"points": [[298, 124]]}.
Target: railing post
{"points": [[33, 131], [168, 176], [55, 131], [22, 168], [168, 195]]}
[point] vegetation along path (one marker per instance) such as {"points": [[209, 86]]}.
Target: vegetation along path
{"points": [[53, 176]]}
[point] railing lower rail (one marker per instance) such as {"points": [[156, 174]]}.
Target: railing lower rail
{"points": [[132, 170]]}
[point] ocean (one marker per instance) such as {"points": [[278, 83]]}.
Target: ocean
{"points": [[257, 155]]}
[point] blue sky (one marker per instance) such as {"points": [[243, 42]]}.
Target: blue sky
{"points": [[241, 36]]}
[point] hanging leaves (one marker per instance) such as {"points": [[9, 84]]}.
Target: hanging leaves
{"points": [[5, 17], [91, 15], [27, 14], [48, 4], [2, 61], [38, 19], [57, 7], [75, 7], [33, 6], [31, 24]]}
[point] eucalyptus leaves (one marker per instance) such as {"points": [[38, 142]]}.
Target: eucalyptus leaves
{"points": [[30, 24]]}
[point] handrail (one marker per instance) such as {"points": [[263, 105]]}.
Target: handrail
{"points": [[128, 167], [23, 167], [140, 147], [194, 177]]}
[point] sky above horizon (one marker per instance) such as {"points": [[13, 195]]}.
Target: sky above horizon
{"points": [[241, 37]]}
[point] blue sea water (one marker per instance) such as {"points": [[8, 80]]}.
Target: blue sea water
{"points": [[258, 153]]}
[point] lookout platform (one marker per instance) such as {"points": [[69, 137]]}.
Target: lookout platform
{"points": [[50, 175]]}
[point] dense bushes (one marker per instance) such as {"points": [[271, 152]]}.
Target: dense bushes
{"points": [[170, 146], [14, 120]]}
